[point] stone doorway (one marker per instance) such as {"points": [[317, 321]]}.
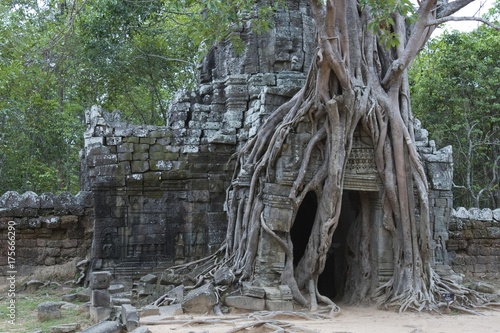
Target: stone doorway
{"points": [[302, 226], [332, 281]]}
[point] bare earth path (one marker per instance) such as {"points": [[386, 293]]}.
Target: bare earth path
{"points": [[350, 320]]}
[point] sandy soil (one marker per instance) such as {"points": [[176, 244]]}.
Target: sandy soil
{"points": [[350, 320]]}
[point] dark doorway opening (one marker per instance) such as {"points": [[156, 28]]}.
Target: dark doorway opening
{"points": [[331, 283], [302, 226]]}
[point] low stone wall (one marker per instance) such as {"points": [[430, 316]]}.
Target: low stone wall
{"points": [[474, 243], [50, 230]]}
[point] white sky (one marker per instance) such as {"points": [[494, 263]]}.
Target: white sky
{"points": [[477, 8]]}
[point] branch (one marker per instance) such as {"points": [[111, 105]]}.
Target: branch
{"points": [[167, 59], [462, 18], [413, 45], [452, 7]]}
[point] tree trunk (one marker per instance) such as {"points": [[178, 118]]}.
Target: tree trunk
{"points": [[356, 80]]}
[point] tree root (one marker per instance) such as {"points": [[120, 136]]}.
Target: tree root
{"points": [[261, 321], [272, 326]]}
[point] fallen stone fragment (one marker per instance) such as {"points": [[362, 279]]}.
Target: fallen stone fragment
{"points": [[200, 300], [116, 288], [149, 278], [69, 297], [130, 317], [49, 310], [104, 327], [150, 310], [65, 328]]}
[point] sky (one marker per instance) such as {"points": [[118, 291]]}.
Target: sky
{"points": [[477, 8]]}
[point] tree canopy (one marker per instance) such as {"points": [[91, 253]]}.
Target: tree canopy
{"points": [[59, 57], [455, 92]]}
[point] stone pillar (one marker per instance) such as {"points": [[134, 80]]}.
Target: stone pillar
{"points": [[277, 214], [382, 256], [100, 299]]}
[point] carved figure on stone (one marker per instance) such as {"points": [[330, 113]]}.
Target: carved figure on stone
{"points": [[179, 254], [198, 245], [296, 64], [108, 246], [439, 251]]}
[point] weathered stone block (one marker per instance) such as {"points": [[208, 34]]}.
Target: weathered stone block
{"points": [[100, 280], [171, 310], [100, 297], [149, 278], [246, 303], [130, 317], [148, 140], [116, 288], [65, 328], [125, 147], [279, 305], [160, 165], [140, 156], [139, 166], [49, 310], [200, 300], [150, 310], [69, 243], [97, 160], [99, 313]]}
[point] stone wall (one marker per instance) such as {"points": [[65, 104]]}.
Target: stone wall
{"points": [[157, 200], [474, 244], [50, 230]]}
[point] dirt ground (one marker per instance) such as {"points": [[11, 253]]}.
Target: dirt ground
{"points": [[350, 320]]}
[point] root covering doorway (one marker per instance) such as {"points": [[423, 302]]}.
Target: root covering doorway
{"points": [[332, 281]]}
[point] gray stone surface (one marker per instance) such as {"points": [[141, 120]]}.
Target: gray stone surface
{"points": [[129, 317], [279, 305], [149, 278], [65, 328], [49, 310], [149, 310], [223, 276], [200, 300], [104, 327], [116, 288], [100, 297], [246, 303], [100, 280], [99, 313], [171, 310]]}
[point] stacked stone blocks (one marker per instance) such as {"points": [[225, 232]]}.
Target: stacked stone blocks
{"points": [[50, 229], [474, 244]]}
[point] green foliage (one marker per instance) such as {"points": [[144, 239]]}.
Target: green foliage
{"points": [[455, 92], [59, 57], [38, 142], [383, 13]]}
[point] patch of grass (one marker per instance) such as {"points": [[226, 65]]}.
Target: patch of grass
{"points": [[26, 313]]}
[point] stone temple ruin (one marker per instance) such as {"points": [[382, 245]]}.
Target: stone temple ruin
{"points": [[156, 194], [159, 191]]}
